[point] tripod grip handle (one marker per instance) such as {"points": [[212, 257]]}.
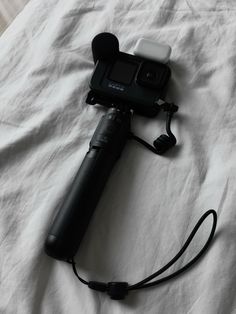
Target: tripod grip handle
{"points": [[72, 219]]}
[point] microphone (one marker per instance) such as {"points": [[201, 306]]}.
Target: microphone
{"points": [[105, 46]]}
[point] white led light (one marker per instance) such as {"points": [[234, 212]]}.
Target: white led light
{"points": [[152, 50]]}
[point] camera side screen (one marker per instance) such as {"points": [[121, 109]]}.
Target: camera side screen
{"points": [[123, 72]]}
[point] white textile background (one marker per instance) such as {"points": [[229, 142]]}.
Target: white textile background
{"points": [[150, 203]]}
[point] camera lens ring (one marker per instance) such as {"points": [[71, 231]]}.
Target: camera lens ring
{"points": [[150, 75]]}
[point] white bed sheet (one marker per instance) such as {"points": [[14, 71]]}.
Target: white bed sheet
{"points": [[150, 203]]}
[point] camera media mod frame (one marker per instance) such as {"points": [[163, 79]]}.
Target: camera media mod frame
{"points": [[132, 80]]}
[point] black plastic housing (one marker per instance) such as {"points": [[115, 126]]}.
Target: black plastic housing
{"points": [[139, 88]]}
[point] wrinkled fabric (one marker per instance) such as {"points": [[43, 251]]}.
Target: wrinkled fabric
{"points": [[150, 203]]}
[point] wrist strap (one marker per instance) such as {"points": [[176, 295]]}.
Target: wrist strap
{"points": [[118, 290]]}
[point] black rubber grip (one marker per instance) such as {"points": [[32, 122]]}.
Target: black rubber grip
{"points": [[73, 217]]}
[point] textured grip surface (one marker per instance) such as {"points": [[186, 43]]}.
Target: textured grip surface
{"points": [[75, 213]]}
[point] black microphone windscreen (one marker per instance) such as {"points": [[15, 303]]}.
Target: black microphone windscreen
{"points": [[105, 46]]}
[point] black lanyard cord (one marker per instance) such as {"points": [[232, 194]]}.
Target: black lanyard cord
{"points": [[72, 262], [118, 290], [142, 284]]}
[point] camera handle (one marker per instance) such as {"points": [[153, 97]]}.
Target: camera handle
{"points": [[106, 145], [72, 219]]}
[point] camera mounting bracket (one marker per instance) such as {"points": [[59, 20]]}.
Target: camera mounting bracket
{"points": [[94, 98]]}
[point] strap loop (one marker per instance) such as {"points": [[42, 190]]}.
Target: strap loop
{"points": [[118, 290]]}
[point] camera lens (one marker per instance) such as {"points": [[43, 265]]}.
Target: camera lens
{"points": [[151, 75]]}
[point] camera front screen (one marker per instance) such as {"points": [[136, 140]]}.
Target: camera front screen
{"points": [[123, 72]]}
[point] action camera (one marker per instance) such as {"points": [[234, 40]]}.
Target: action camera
{"points": [[124, 78]]}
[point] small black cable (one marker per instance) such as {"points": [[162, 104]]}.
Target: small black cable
{"points": [[72, 262], [163, 142], [141, 141], [169, 116]]}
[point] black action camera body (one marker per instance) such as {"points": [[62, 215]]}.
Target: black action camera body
{"points": [[132, 80]]}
